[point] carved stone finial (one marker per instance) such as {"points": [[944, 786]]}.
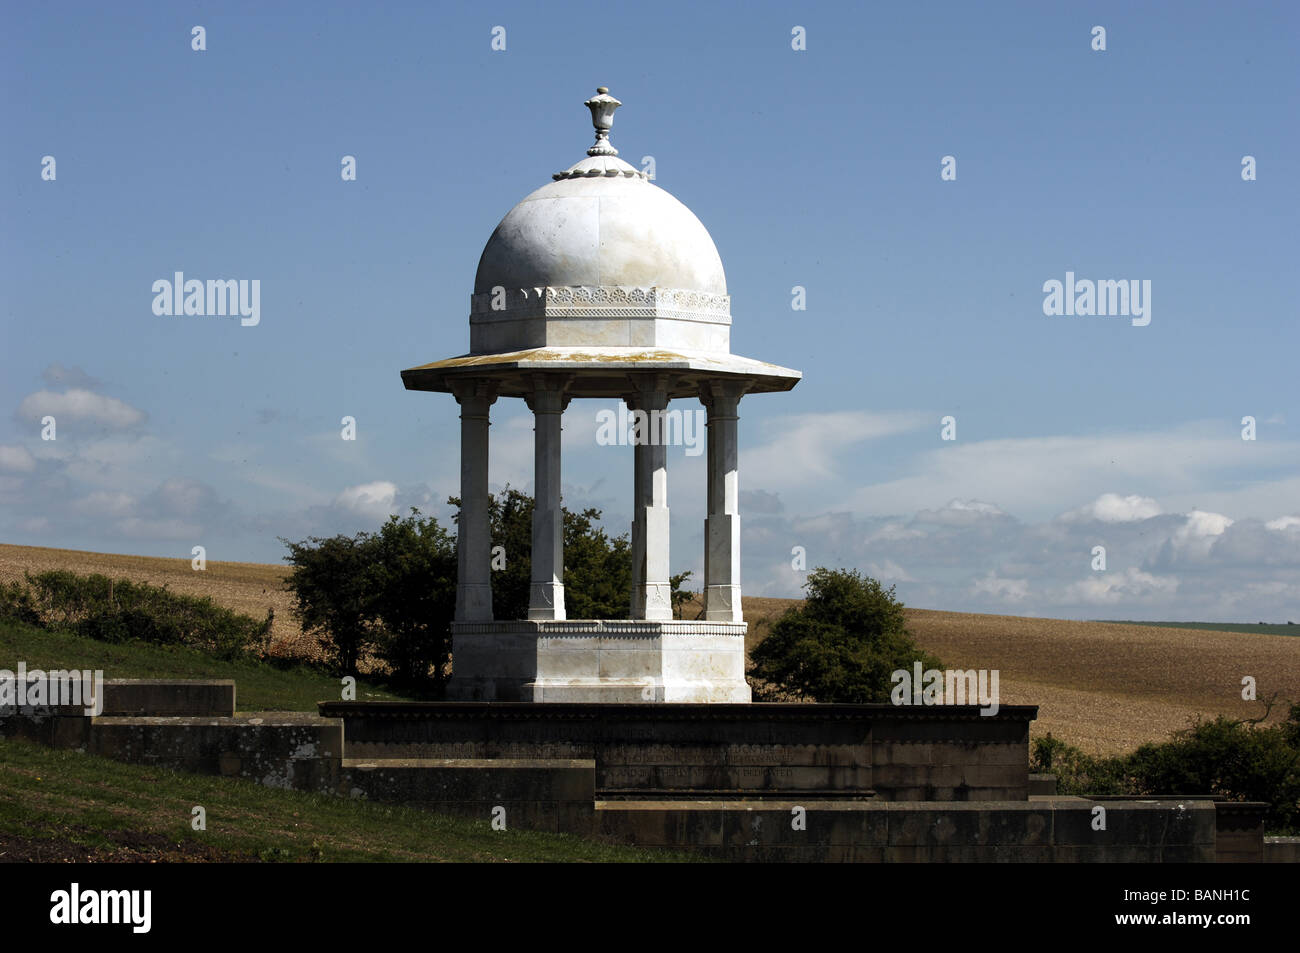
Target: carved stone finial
{"points": [[602, 107]]}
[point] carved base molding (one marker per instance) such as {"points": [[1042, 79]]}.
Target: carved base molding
{"points": [[585, 660]]}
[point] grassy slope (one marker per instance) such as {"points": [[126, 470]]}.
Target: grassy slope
{"points": [[84, 806], [259, 687]]}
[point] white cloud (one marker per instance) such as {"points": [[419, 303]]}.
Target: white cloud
{"points": [[79, 406], [1196, 537], [1284, 523], [371, 500], [1113, 508], [1034, 474], [16, 459], [1005, 590], [802, 449], [1121, 586], [961, 513]]}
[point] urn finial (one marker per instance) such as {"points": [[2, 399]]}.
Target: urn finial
{"points": [[602, 107]]}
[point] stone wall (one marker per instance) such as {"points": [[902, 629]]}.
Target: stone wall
{"points": [[760, 750]]}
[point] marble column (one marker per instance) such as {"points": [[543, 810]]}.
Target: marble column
{"points": [[722, 523], [652, 592], [473, 533], [546, 595]]}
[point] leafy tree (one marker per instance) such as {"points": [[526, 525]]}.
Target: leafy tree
{"points": [[680, 595], [841, 645], [332, 595], [412, 578]]}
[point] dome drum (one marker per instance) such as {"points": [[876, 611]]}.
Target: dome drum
{"points": [[599, 316]]}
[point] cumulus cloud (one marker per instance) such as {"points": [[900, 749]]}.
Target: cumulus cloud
{"points": [[961, 513], [1113, 508], [1193, 540], [374, 501], [1284, 523], [79, 406], [1123, 586], [1004, 590]]}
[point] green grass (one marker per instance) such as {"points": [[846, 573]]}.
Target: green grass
{"points": [[259, 686], [1250, 627], [61, 797]]}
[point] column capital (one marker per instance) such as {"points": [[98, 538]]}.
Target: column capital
{"points": [[549, 393], [474, 389], [647, 391], [724, 393]]}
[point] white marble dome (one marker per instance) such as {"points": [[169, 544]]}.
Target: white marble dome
{"points": [[600, 257], [601, 223]]}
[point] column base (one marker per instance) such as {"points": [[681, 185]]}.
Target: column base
{"points": [[473, 602], [546, 602], [583, 660], [722, 604]]}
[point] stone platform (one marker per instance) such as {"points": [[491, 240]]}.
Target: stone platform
{"points": [[866, 782], [657, 750], [628, 660]]}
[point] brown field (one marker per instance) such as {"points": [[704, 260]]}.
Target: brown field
{"points": [[1104, 687]]}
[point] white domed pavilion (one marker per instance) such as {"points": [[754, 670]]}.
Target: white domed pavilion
{"points": [[600, 284]]}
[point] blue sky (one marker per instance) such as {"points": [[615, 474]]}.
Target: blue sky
{"points": [[818, 168]]}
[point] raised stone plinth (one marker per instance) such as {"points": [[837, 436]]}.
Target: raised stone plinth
{"points": [[653, 751], [626, 660]]}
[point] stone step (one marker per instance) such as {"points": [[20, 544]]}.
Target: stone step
{"points": [[538, 794], [126, 696], [280, 749]]}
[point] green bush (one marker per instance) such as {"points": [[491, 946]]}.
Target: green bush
{"points": [[332, 595], [1230, 758], [118, 610], [841, 645], [16, 604]]}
